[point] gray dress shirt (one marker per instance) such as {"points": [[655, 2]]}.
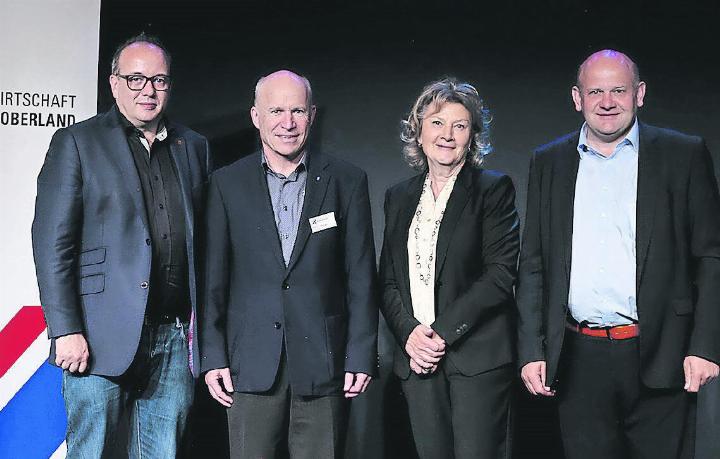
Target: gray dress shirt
{"points": [[287, 195]]}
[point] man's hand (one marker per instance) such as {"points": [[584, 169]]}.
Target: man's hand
{"points": [[533, 375], [71, 353], [220, 385], [355, 383], [698, 372], [425, 348]]}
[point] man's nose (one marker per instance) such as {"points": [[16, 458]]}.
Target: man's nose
{"points": [[288, 122], [607, 101], [148, 89]]}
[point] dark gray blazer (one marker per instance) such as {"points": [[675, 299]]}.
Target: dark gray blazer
{"points": [[678, 254], [323, 305], [475, 267], [91, 239]]}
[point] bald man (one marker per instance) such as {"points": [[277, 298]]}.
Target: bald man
{"points": [[290, 326], [619, 280]]}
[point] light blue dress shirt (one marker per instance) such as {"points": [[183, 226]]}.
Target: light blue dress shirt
{"points": [[602, 275]]}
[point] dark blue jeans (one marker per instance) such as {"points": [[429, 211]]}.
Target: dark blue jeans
{"points": [[141, 414]]}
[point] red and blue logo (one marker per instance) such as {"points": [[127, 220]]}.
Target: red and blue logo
{"points": [[32, 412]]}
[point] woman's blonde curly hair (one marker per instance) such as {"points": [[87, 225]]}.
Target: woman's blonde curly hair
{"points": [[434, 95]]}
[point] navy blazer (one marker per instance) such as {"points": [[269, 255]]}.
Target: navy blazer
{"points": [[322, 306], [677, 247], [475, 268], [91, 240]]}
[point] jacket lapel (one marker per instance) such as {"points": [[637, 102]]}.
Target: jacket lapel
{"points": [[458, 199], [402, 231], [115, 145], [316, 185], [178, 153], [261, 205], [566, 176], [647, 190]]}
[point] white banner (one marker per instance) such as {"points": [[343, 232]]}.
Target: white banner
{"points": [[48, 79]]}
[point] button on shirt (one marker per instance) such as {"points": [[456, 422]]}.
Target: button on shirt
{"points": [[421, 244], [602, 276], [169, 284], [287, 195]]}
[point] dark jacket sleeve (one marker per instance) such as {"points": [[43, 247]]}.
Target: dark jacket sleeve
{"points": [[529, 292], [56, 232], [360, 272], [704, 215], [213, 335], [494, 288]]}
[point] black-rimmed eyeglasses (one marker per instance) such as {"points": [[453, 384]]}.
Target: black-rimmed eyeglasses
{"points": [[138, 82]]}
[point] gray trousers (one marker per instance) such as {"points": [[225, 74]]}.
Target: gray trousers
{"points": [[276, 423]]}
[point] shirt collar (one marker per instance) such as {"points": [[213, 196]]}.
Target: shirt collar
{"points": [[302, 165], [164, 127], [162, 132], [632, 139]]}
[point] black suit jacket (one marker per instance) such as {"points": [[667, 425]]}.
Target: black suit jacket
{"points": [[677, 252], [323, 305], [91, 239], [475, 267]]}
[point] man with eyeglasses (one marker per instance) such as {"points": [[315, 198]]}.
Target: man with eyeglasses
{"points": [[114, 239]]}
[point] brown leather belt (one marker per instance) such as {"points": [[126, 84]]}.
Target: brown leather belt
{"points": [[619, 332]]}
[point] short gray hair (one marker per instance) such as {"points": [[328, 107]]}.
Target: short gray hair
{"points": [[435, 94], [305, 82]]}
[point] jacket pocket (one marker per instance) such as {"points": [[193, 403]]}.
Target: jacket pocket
{"points": [[92, 257], [683, 306], [94, 283]]}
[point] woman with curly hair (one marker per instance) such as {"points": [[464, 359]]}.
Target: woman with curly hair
{"points": [[447, 268]]}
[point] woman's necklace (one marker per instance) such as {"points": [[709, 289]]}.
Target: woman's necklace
{"points": [[425, 275]]}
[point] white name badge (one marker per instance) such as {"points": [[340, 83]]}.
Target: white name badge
{"points": [[323, 222]]}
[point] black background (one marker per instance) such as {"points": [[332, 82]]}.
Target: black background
{"points": [[367, 62]]}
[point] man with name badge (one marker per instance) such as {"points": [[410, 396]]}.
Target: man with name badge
{"points": [[289, 331]]}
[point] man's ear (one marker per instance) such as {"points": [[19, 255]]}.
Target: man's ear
{"points": [[113, 80], [640, 94], [254, 115], [577, 98]]}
